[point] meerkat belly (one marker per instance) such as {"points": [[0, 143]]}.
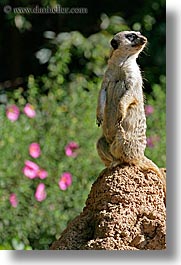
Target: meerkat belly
{"points": [[130, 141], [134, 125], [115, 90]]}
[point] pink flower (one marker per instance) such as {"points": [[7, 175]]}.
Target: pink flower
{"points": [[42, 174], [65, 180], [12, 113], [34, 150], [31, 169], [13, 200], [40, 193], [70, 149], [29, 111], [151, 141], [149, 110]]}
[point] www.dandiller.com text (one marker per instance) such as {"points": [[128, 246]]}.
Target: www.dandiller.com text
{"points": [[45, 10]]}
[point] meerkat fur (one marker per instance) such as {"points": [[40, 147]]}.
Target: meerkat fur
{"points": [[120, 108]]}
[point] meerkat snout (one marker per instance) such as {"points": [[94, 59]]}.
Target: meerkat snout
{"points": [[128, 38], [136, 39]]}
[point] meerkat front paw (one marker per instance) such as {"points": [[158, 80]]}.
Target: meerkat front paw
{"points": [[99, 121]]}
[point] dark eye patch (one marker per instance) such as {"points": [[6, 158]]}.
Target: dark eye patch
{"points": [[114, 44], [131, 37]]}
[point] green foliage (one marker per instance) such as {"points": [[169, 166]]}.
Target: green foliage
{"points": [[156, 124], [65, 103], [58, 121]]}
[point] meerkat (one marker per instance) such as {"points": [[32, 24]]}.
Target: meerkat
{"points": [[120, 109]]}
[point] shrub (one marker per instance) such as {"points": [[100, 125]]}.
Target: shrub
{"points": [[56, 124], [156, 124]]}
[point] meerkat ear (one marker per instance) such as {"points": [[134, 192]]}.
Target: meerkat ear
{"points": [[114, 44]]}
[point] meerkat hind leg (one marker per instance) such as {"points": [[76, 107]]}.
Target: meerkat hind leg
{"points": [[103, 151]]}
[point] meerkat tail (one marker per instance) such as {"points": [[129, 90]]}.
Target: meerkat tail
{"points": [[146, 164]]}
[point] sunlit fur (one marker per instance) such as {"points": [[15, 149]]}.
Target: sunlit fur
{"points": [[120, 109]]}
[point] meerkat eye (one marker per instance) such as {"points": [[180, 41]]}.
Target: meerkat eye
{"points": [[131, 36], [114, 44]]}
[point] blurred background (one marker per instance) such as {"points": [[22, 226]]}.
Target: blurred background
{"points": [[51, 69]]}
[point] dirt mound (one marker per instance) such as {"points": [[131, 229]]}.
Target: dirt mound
{"points": [[125, 210]]}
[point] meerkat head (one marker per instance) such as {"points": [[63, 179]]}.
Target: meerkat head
{"points": [[127, 43]]}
